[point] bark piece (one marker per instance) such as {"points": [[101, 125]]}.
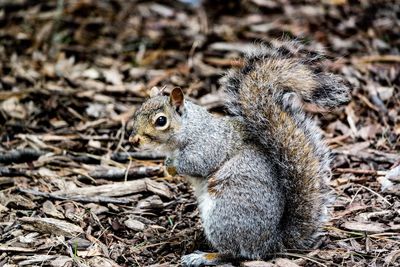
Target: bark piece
{"points": [[257, 264], [119, 189], [50, 209], [151, 202], [94, 199], [61, 261], [148, 155], [37, 259], [370, 227], [79, 243], [133, 173], [50, 226], [15, 249], [134, 225], [20, 155], [100, 261]]}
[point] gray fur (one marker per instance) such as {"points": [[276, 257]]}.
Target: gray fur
{"points": [[192, 161], [260, 175], [244, 220]]}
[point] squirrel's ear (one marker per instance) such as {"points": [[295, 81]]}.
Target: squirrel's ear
{"points": [[176, 99], [155, 91]]}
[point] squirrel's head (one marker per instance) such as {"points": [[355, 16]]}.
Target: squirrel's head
{"points": [[158, 119]]}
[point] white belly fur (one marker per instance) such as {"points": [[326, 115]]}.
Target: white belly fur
{"points": [[205, 201]]}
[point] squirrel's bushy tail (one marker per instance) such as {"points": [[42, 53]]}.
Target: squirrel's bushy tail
{"points": [[264, 93]]}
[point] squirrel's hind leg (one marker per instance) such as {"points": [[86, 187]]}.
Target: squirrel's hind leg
{"points": [[199, 258]]}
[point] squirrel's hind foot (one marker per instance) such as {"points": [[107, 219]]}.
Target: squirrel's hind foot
{"points": [[199, 258]]}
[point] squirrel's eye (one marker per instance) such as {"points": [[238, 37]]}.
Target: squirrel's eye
{"points": [[161, 121]]}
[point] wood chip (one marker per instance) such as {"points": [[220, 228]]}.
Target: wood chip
{"points": [[257, 264], [100, 261], [37, 259], [50, 209], [370, 227], [120, 189], [61, 261], [50, 226], [15, 249]]}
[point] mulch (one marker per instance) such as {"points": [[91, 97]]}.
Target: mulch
{"points": [[74, 192]]}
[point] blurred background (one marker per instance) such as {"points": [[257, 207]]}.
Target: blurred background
{"points": [[72, 74]]}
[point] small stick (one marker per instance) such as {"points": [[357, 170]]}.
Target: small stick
{"points": [[145, 155], [380, 58], [305, 257], [378, 195], [121, 174], [15, 249], [94, 199], [356, 171], [10, 172], [127, 171], [337, 139], [28, 154], [20, 155]]}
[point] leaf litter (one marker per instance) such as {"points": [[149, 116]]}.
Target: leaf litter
{"points": [[74, 192]]}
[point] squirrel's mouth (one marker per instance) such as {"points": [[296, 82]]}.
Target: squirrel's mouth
{"points": [[140, 140], [143, 142], [162, 149]]}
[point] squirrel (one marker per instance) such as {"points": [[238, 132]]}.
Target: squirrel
{"points": [[261, 173]]}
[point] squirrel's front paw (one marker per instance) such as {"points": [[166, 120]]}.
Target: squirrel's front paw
{"points": [[170, 167], [199, 258]]}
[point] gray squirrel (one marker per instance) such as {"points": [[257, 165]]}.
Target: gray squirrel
{"points": [[261, 173]]}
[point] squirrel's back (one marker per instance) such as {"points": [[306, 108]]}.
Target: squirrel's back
{"points": [[266, 94]]}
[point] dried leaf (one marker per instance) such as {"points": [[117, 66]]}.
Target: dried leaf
{"points": [[50, 209]]}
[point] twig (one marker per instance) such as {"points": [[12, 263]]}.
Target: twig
{"points": [[129, 173], [27, 155], [10, 172], [367, 155], [119, 189], [378, 195], [84, 159], [15, 249], [20, 155], [337, 139], [146, 155], [93, 199], [6, 180], [332, 228], [380, 58], [302, 257], [355, 195], [122, 135], [356, 171]]}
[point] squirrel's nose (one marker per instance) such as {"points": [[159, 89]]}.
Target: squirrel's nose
{"points": [[135, 140]]}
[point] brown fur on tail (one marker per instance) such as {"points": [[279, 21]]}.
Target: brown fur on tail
{"points": [[259, 93], [290, 68]]}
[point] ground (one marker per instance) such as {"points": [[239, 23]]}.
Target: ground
{"points": [[72, 74]]}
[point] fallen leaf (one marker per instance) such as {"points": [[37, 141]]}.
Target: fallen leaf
{"points": [[13, 108], [113, 76], [134, 225], [49, 208]]}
